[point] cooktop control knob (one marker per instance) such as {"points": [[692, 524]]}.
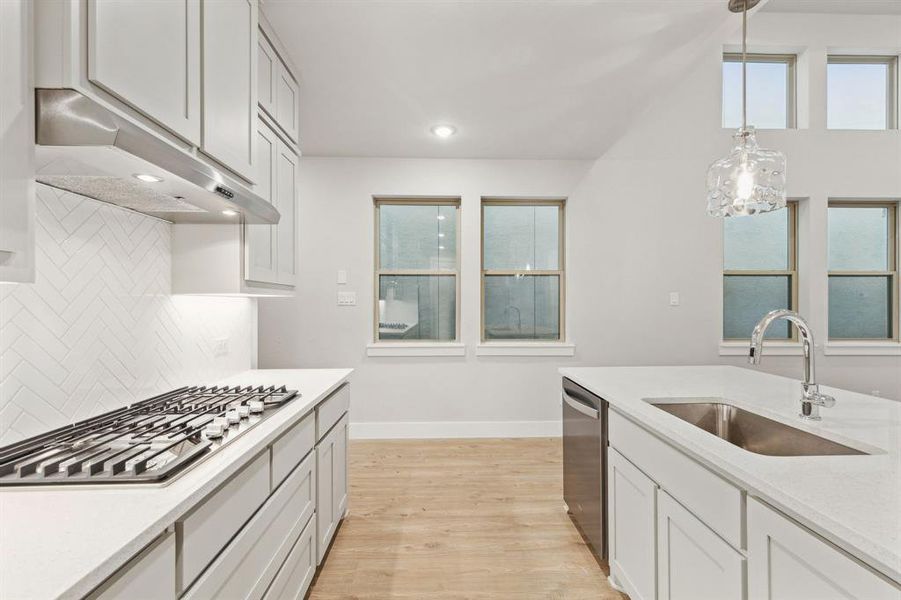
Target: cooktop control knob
{"points": [[233, 417], [256, 406], [214, 430], [243, 411]]}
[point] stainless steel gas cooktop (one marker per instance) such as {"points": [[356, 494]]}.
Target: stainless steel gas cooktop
{"points": [[147, 442]]}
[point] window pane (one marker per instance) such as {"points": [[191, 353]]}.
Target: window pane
{"points": [[858, 238], [521, 237], [767, 94], [417, 307], [860, 307], [746, 298], [522, 307], [417, 236], [856, 96], [758, 242]]}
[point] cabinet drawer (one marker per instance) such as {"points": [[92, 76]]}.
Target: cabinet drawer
{"points": [[206, 529], [250, 561], [295, 576], [148, 576], [292, 447], [329, 412], [715, 501]]}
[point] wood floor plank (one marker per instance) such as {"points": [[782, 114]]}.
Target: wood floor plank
{"points": [[450, 519]]}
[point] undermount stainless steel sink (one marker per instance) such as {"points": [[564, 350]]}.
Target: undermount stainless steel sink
{"points": [[753, 432]]}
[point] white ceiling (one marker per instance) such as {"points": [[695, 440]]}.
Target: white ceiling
{"points": [[863, 7], [536, 79]]}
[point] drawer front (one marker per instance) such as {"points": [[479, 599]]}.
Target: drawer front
{"points": [[148, 576], [295, 576], [711, 498], [207, 529], [250, 562], [292, 447], [329, 412]]}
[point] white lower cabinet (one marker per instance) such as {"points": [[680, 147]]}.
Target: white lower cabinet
{"points": [[788, 562], [694, 563], [632, 506], [148, 576], [331, 465], [295, 576]]}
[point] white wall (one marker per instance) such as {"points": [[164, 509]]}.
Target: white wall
{"points": [[98, 329], [636, 230]]}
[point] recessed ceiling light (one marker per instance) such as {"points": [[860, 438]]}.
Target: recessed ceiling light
{"points": [[229, 212], [440, 235], [148, 178], [443, 131], [441, 247], [440, 217]]}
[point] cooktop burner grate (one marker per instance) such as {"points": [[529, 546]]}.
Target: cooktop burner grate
{"points": [[145, 442]]}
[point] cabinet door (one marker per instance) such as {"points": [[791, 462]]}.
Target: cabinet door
{"points": [[331, 485], [267, 75], [286, 202], [17, 188], [148, 576], [631, 503], [788, 562], [147, 53], [694, 563], [286, 104], [230, 84], [260, 248]]}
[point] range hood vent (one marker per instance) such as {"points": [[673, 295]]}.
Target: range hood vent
{"points": [[87, 148]]}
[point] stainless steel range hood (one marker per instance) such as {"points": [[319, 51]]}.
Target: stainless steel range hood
{"points": [[86, 148]]}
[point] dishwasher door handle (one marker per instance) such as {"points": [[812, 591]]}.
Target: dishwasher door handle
{"points": [[580, 406]]}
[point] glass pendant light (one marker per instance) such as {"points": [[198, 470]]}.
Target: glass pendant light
{"points": [[750, 180]]}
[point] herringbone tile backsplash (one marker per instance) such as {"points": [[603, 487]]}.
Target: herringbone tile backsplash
{"points": [[99, 328]]}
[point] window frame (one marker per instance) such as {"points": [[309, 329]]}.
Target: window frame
{"points": [[891, 83], [560, 272], [791, 272], [378, 202], [892, 272], [791, 82]]}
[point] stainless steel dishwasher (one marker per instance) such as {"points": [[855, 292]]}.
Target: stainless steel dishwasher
{"points": [[585, 464]]}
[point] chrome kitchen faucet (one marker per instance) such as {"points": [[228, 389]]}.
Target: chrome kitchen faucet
{"points": [[811, 398]]}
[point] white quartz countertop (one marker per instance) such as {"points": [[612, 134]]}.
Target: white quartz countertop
{"points": [[853, 501], [63, 541]]}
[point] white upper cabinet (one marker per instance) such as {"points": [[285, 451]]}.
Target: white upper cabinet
{"points": [[16, 143], [286, 194], [230, 84], [147, 53], [788, 562], [260, 241], [278, 89]]}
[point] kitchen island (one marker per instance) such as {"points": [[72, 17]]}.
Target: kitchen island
{"points": [[848, 505], [64, 541]]}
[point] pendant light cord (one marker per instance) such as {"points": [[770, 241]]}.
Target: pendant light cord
{"points": [[744, 66]]}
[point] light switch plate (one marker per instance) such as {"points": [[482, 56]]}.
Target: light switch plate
{"points": [[220, 347], [674, 298], [342, 277], [347, 298]]}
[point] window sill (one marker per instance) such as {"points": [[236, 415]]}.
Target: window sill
{"points": [[863, 348], [769, 348], [525, 349], [415, 349]]}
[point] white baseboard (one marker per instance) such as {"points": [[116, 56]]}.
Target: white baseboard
{"points": [[454, 429]]}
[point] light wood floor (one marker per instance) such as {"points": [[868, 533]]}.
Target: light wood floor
{"points": [[442, 519]]}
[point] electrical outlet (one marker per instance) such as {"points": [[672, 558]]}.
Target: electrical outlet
{"points": [[220, 347], [347, 298]]}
